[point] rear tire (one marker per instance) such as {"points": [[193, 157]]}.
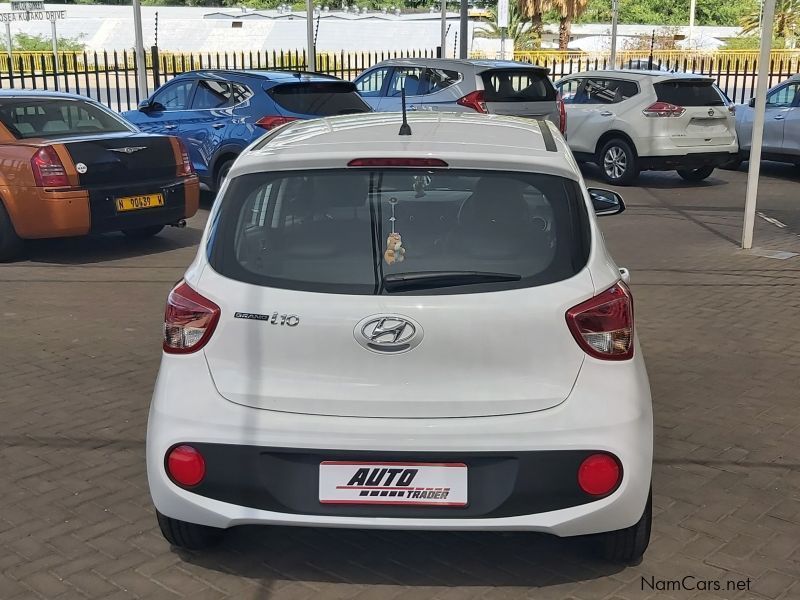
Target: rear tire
{"points": [[627, 546], [222, 172], [142, 233], [190, 536], [10, 242], [696, 174], [618, 162]]}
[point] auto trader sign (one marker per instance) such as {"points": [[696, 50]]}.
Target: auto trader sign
{"points": [[31, 11]]}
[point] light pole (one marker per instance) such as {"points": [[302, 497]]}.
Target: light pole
{"points": [[141, 66], [692, 10], [758, 126], [312, 52], [444, 28], [614, 18], [463, 29]]}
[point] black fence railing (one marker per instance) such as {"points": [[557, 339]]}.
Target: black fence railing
{"points": [[110, 77]]}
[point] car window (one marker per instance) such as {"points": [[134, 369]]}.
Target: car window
{"points": [[784, 96], [568, 89], [320, 99], [517, 85], [211, 93], [314, 230], [29, 118], [174, 96], [371, 83], [688, 93], [436, 80], [604, 91], [408, 78]]}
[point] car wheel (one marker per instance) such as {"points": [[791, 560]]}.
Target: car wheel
{"points": [[696, 174], [627, 546], [142, 233], [222, 173], [10, 242], [188, 535], [618, 162]]}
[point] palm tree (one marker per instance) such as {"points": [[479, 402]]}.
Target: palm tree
{"points": [[569, 11], [787, 19], [519, 30], [533, 10]]}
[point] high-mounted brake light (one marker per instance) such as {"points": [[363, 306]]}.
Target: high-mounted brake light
{"points": [[184, 167], [271, 122], [562, 114], [475, 100], [603, 325], [189, 320], [663, 109], [398, 162], [48, 170]]}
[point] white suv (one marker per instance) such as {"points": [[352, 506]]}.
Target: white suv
{"points": [[631, 121], [417, 331]]}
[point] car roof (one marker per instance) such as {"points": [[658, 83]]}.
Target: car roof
{"points": [[443, 63], [463, 140], [42, 94], [640, 75], [277, 76]]}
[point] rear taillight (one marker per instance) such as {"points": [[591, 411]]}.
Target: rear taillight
{"points": [[48, 170], [274, 121], [603, 325], [475, 100], [562, 115], [189, 320], [663, 109], [185, 167]]}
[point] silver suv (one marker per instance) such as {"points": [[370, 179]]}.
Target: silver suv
{"points": [[484, 86]]}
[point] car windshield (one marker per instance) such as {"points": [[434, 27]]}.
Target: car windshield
{"points": [[56, 117], [360, 231]]}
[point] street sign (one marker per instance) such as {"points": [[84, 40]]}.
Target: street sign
{"points": [[502, 14], [26, 10]]}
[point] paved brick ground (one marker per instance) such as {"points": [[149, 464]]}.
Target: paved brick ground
{"points": [[79, 348]]}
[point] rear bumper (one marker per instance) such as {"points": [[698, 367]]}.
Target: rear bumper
{"points": [[685, 161], [45, 213], [523, 467]]}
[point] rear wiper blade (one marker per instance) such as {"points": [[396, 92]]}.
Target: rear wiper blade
{"points": [[397, 282]]}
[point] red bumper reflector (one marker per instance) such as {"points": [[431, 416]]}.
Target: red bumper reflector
{"points": [[599, 474], [186, 466]]}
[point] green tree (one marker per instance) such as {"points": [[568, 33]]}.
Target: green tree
{"points": [[24, 42], [785, 24], [534, 10], [568, 11], [519, 30]]}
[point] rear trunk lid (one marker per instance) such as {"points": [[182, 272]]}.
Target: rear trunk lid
{"points": [[520, 92], [706, 120]]}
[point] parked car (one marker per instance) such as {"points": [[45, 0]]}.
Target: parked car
{"points": [[781, 125], [631, 121], [418, 331], [484, 86], [73, 167], [219, 113], [644, 64]]}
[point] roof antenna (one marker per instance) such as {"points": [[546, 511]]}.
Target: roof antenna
{"points": [[405, 129]]}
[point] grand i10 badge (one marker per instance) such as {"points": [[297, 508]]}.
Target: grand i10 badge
{"points": [[274, 319]]}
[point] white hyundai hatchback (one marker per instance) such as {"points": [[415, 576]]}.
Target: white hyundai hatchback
{"points": [[420, 331]]}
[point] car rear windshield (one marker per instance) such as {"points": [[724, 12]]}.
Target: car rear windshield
{"points": [[517, 85], [362, 231], [688, 93], [321, 99], [56, 117]]}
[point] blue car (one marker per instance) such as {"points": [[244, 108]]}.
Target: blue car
{"points": [[219, 113]]}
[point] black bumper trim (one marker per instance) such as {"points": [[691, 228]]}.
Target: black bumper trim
{"points": [[500, 484], [685, 161]]}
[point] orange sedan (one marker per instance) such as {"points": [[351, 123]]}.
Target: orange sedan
{"points": [[69, 166]]}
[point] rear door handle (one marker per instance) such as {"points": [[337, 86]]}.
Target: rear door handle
{"points": [[606, 113], [218, 125], [779, 117]]}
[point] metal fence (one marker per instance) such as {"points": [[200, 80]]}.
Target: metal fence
{"points": [[110, 77]]}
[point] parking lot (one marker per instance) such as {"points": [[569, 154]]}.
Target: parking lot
{"points": [[81, 333]]}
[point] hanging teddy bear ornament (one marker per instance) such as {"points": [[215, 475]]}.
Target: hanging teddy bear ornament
{"points": [[394, 243]]}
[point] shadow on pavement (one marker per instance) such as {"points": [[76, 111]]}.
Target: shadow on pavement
{"points": [[774, 169], [106, 247], [402, 558], [655, 179]]}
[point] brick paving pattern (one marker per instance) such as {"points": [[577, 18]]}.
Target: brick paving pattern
{"points": [[79, 349]]}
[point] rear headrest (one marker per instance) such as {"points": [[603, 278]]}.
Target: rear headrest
{"points": [[495, 199], [340, 189]]}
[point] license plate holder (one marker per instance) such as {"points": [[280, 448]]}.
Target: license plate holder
{"points": [[393, 483], [140, 202]]}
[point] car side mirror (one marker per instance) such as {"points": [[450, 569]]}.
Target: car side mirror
{"points": [[752, 103], [606, 202], [148, 105]]}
